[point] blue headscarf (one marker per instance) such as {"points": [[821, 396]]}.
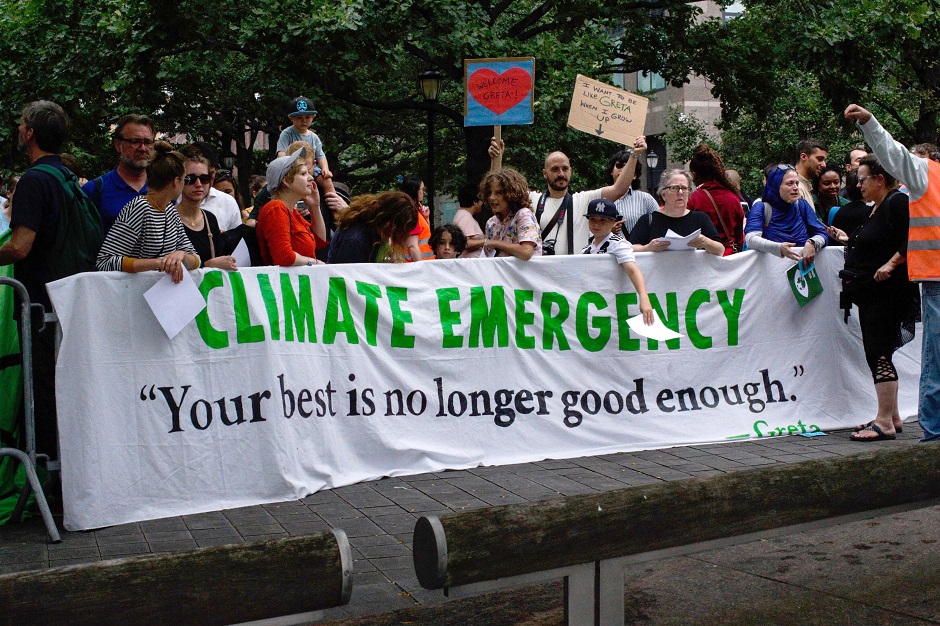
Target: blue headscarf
{"points": [[794, 222]]}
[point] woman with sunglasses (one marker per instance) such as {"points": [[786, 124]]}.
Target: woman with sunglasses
{"points": [[148, 233], [875, 279], [782, 223], [675, 188], [200, 225]]}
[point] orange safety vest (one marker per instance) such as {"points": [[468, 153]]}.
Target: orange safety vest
{"points": [[923, 240], [423, 241]]}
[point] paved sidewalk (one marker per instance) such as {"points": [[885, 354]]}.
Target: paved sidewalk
{"points": [[379, 516]]}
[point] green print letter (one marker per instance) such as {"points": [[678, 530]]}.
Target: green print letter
{"points": [[338, 303], [214, 338]]}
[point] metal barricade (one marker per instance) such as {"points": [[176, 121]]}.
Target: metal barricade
{"points": [[29, 457]]}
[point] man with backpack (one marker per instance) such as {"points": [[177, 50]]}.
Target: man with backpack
{"points": [[133, 141], [55, 233]]}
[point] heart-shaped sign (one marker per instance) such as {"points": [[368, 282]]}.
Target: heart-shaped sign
{"points": [[500, 92]]}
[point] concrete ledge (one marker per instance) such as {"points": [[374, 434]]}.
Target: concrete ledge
{"points": [[512, 540]]}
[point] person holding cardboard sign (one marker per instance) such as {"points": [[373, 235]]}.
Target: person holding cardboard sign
{"points": [[561, 235]]}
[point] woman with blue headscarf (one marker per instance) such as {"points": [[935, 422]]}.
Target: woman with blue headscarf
{"points": [[782, 223]]}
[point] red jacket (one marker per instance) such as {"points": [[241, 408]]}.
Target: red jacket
{"points": [[283, 232]]}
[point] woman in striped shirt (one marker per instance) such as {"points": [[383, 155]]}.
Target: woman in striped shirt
{"points": [[148, 234]]}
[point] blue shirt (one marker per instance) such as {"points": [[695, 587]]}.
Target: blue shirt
{"points": [[112, 196]]}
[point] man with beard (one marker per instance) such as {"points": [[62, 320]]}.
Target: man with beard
{"points": [[811, 161], [561, 234], [133, 141]]}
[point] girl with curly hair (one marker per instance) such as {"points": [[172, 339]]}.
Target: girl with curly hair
{"points": [[512, 231], [374, 229]]}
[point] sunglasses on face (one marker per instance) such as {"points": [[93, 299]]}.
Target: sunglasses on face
{"points": [[190, 179]]}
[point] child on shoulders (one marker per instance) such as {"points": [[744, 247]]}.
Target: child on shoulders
{"points": [[302, 113]]}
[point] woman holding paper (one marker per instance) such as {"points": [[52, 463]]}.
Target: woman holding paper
{"points": [[782, 223], [875, 279], [148, 234], [650, 231]]}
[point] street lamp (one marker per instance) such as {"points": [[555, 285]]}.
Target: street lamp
{"points": [[652, 159], [429, 83]]}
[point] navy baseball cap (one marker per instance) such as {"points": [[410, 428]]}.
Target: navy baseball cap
{"points": [[602, 207], [301, 105]]}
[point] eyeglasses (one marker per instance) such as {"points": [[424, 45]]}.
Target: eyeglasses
{"points": [[677, 189], [784, 167], [223, 175], [137, 143], [190, 179]]}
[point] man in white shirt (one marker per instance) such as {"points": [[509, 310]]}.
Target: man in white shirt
{"points": [[548, 205], [224, 207]]}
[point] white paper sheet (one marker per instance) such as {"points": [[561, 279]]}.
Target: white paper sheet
{"points": [[678, 243], [242, 258], [175, 304], [657, 331]]}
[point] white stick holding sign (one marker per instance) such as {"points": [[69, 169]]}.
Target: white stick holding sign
{"points": [[175, 304], [604, 111]]}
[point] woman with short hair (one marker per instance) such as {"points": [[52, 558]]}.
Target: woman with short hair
{"points": [[284, 236], [675, 188], [875, 280]]}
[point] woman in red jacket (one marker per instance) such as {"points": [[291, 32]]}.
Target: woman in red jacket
{"points": [[717, 197], [285, 237]]}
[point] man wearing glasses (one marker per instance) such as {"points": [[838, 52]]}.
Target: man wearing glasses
{"points": [[133, 141]]}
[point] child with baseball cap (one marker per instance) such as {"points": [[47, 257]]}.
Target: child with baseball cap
{"points": [[602, 215], [301, 112]]}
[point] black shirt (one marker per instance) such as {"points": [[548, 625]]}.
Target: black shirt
{"points": [[38, 205], [656, 224], [200, 239]]}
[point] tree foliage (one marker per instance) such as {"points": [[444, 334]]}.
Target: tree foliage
{"points": [[224, 72]]}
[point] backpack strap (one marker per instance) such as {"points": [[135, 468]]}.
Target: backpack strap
{"points": [[98, 188]]}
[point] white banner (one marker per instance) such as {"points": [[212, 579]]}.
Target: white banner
{"points": [[296, 380]]}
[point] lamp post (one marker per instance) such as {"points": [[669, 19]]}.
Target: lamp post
{"points": [[429, 83], [652, 160]]}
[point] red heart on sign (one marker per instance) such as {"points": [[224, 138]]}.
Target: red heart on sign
{"points": [[500, 92]]}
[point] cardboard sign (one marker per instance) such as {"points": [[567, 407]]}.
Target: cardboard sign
{"points": [[499, 91], [605, 111]]}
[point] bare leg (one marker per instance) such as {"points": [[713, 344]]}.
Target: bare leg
{"points": [[887, 393]]}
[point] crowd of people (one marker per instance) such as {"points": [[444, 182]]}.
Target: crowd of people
{"points": [[170, 208]]}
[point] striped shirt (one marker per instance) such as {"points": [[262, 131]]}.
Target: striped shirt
{"points": [[633, 205], [140, 232], [613, 244]]}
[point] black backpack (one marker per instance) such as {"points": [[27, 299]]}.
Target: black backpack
{"points": [[79, 237]]}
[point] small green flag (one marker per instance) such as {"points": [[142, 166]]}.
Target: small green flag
{"points": [[804, 283]]}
